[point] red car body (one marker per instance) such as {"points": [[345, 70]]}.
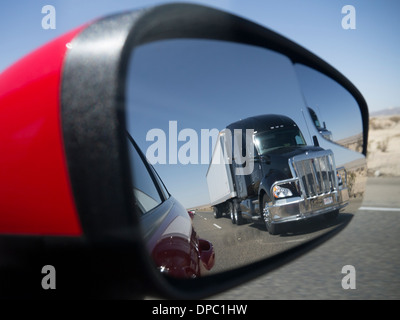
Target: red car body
{"points": [[35, 195]]}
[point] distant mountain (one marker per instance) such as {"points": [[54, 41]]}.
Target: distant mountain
{"points": [[385, 112]]}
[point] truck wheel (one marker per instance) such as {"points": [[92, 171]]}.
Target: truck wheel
{"points": [[231, 212], [237, 213], [217, 212], [272, 228]]}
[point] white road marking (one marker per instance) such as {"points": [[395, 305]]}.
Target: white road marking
{"points": [[217, 226], [379, 209], [297, 240]]}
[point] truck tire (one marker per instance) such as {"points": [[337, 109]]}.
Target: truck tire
{"points": [[271, 227], [230, 206], [237, 213], [217, 212]]}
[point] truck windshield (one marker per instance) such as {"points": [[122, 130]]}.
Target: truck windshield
{"points": [[278, 138]]}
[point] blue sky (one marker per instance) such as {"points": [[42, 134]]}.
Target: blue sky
{"points": [[369, 55]]}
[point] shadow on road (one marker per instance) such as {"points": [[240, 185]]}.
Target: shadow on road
{"points": [[316, 224], [309, 226]]}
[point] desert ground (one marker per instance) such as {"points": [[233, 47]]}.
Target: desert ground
{"points": [[384, 146]]}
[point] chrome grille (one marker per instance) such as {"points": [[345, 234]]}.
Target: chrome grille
{"points": [[316, 174]]}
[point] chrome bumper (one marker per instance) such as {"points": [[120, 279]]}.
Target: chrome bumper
{"points": [[300, 208]]}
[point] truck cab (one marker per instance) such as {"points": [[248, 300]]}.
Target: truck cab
{"points": [[289, 180]]}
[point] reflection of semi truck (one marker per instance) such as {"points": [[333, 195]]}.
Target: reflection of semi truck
{"points": [[290, 180]]}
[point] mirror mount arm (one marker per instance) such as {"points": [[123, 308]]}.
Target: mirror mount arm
{"points": [[262, 159]]}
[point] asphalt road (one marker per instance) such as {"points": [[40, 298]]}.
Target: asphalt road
{"points": [[240, 245], [370, 243]]}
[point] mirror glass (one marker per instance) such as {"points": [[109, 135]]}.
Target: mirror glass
{"points": [[332, 110], [335, 117], [233, 148]]}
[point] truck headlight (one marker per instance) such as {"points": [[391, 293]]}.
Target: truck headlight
{"points": [[280, 192]]}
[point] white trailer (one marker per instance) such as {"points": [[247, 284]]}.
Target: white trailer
{"points": [[219, 177]]}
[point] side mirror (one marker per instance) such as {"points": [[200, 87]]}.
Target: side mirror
{"points": [[207, 254], [315, 140], [105, 149], [191, 213]]}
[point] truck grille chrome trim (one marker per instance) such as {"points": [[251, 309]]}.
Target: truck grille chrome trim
{"points": [[316, 173]]}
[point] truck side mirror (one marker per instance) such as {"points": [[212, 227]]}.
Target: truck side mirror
{"points": [[265, 159], [315, 140]]}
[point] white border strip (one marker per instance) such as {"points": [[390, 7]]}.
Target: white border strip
{"points": [[379, 209]]}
